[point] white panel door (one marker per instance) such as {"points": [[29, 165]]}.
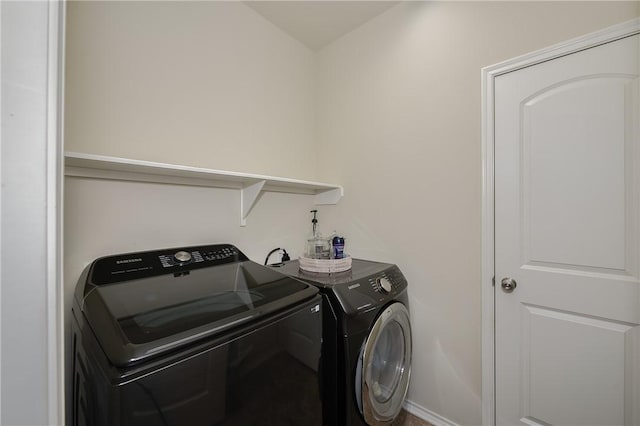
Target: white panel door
{"points": [[567, 231]]}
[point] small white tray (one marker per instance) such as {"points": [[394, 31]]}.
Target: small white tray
{"points": [[325, 266]]}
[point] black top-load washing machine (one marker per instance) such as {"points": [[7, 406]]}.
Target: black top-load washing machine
{"points": [[194, 336], [366, 341]]}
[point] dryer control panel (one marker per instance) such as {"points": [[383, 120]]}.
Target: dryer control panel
{"points": [[370, 292], [363, 288]]}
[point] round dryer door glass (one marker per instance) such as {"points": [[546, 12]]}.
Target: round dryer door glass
{"points": [[387, 362], [386, 366]]}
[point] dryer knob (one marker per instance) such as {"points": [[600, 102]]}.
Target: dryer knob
{"points": [[182, 256], [385, 285]]}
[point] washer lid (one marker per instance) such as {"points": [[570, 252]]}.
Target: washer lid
{"points": [[141, 318]]}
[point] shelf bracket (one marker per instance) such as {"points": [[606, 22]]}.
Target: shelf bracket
{"points": [[332, 196], [248, 197]]}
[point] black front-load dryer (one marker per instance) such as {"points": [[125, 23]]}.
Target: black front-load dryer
{"points": [[194, 336], [366, 341]]}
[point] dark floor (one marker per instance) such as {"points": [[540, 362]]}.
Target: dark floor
{"points": [[406, 419]]}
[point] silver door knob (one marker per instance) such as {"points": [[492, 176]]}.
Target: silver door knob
{"points": [[508, 285]]}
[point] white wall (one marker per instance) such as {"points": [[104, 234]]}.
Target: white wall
{"points": [[29, 162], [399, 127], [209, 84]]}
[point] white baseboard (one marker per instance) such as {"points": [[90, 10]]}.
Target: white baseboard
{"points": [[427, 415]]}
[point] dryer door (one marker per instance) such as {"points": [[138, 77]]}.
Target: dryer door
{"points": [[385, 366]]}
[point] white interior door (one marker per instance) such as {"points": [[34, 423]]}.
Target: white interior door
{"points": [[567, 231]]}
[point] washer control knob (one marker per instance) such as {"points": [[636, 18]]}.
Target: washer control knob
{"points": [[385, 285], [182, 256]]}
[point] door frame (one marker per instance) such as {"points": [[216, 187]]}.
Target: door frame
{"points": [[55, 208], [489, 74], [47, 47]]}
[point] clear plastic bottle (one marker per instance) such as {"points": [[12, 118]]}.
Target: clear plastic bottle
{"points": [[317, 247]]}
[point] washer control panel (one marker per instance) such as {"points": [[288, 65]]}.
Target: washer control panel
{"points": [[182, 256], [114, 269], [215, 254]]}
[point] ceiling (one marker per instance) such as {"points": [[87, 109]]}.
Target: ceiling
{"points": [[318, 23]]}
